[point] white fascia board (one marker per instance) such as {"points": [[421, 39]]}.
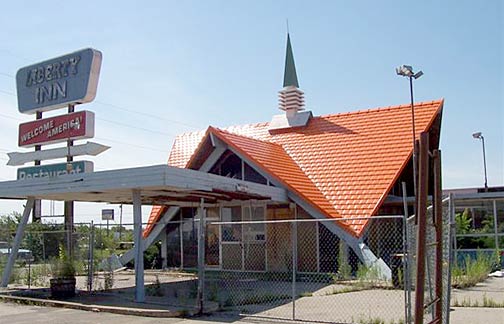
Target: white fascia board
{"points": [[143, 178]]}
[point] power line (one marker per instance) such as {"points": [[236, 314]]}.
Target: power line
{"points": [[102, 119], [130, 144], [121, 108], [7, 75], [10, 117], [136, 127], [145, 114], [7, 92]]}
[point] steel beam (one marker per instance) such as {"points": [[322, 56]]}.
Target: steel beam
{"points": [[139, 264], [17, 241], [438, 224]]}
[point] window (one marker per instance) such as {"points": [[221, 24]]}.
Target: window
{"points": [[231, 167], [254, 232], [253, 176], [231, 233]]}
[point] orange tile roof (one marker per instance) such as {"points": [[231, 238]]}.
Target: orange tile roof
{"points": [[342, 164]]}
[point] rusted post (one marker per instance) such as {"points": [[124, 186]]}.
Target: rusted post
{"points": [[421, 212], [438, 211]]}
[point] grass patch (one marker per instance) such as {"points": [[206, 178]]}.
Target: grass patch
{"points": [[486, 302], [377, 320], [345, 290], [472, 271], [263, 299]]}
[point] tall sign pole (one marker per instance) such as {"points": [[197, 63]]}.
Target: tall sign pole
{"points": [[37, 205], [69, 205]]}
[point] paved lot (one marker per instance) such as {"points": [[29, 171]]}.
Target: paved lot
{"points": [[22, 314], [319, 306]]}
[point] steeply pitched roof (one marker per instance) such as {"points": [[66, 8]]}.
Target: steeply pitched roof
{"points": [[345, 164]]}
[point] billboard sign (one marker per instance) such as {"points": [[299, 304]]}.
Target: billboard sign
{"points": [[107, 214], [56, 129], [54, 170], [58, 82]]}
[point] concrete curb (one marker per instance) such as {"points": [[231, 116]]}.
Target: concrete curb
{"points": [[95, 308]]}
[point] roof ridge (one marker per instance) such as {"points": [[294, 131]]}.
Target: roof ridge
{"points": [[247, 137], [377, 109], [355, 112]]}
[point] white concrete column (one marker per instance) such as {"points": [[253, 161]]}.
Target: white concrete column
{"points": [[17, 241], [164, 249], [139, 264], [201, 255]]}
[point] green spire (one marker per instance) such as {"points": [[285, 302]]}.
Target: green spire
{"points": [[290, 76]]}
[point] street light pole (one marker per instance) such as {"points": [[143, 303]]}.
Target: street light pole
{"points": [[413, 133], [480, 136], [407, 71]]}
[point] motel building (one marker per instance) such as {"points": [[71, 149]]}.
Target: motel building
{"points": [[341, 170]]}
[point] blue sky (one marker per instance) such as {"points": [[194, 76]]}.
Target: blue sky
{"points": [[176, 66]]}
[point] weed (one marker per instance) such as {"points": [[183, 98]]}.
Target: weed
{"points": [[486, 302], [472, 271], [155, 289], [344, 269], [263, 299], [369, 277], [213, 293], [378, 320], [345, 290]]}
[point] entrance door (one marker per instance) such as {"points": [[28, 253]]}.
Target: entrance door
{"points": [[231, 237], [254, 239], [243, 245], [212, 248]]}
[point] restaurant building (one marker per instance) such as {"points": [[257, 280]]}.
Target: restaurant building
{"points": [[342, 169]]}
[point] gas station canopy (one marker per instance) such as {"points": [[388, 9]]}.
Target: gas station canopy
{"points": [[158, 185]]}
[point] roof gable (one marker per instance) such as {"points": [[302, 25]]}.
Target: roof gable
{"points": [[352, 159]]}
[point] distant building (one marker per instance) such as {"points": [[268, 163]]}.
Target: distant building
{"points": [[346, 165]]}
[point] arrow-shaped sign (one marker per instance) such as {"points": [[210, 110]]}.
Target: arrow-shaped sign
{"points": [[90, 148]]}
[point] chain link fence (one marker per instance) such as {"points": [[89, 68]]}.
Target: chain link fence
{"points": [[41, 250], [265, 266], [430, 260], [300, 270]]}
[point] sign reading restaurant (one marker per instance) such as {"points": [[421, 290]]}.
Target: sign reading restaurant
{"points": [[78, 125], [56, 83], [54, 170]]}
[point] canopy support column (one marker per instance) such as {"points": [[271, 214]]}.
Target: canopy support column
{"points": [[17, 241], [201, 255], [139, 264]]}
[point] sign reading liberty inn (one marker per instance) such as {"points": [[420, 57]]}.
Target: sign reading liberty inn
{"points": [[56, 83], [60, 82]]}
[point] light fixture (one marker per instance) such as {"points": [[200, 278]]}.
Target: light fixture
{"points": [[407, 71], [477, 135]]}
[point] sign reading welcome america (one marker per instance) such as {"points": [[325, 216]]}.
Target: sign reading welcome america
{"points": [[56, 83], [56, 129]]}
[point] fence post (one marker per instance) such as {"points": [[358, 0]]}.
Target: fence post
{"points": [[406, 258], [438, 225], [496, 229], [294, 261], [91, 257], [421, 212], [451, 229]]}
